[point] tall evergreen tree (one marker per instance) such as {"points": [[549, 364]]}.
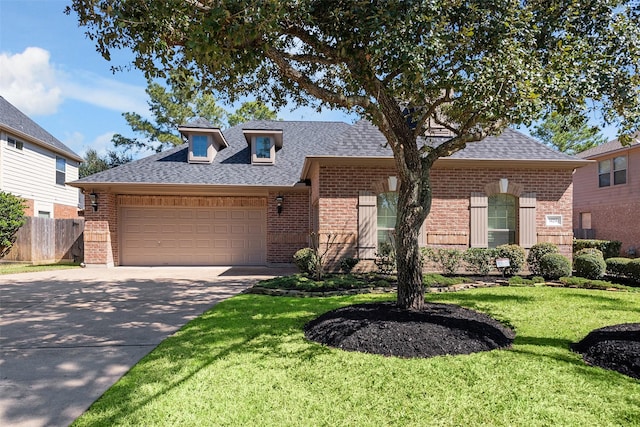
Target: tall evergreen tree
{"points": [[569, 134]]}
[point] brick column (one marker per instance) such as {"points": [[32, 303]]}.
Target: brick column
{"points": [[101, 231]]}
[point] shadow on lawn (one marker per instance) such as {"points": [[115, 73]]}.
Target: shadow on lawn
{"points": [[262, 326]]}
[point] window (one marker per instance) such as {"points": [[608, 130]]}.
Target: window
{"points": [[200, 146], [44, 214], [619, 171], [501, 219], [18, 145], [387, 208], [61, 166], [263, 147], [585, 220]]}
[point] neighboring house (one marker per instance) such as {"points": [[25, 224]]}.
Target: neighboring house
{"points": [[606, 202], [252, 194], [36, 166]]}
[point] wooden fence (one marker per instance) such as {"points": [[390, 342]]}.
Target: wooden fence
{"points": [[47, 240]]}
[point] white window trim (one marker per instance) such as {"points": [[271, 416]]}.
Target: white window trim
{"points": [[210, 150], [553, 220], [15, 143], [263, 160]]}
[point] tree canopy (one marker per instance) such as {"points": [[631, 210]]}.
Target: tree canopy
{"points": [[472, 67], [177, 103], [93, 162], [570, 134]]}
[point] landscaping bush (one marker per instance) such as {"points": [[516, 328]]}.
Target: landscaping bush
{"points": [[480, 260], [609, 248], [589, 251], [448, 260], [633, 270], [306, 260], [536, 252], [11, 219], [554, 266], [617, 266], [516, 256], [590, 265], [347, 264]]}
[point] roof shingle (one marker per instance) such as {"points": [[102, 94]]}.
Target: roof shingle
{"points": [[232, 166], [16, 120]]}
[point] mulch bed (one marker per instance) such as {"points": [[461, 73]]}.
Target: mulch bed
{"points": [[383, 328], [616, 348]]}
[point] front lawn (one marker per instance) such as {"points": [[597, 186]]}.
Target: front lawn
{"points": [[246, 362], [11, 268]]}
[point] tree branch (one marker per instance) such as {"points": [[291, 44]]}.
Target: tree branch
{"points": [[309, 86]]}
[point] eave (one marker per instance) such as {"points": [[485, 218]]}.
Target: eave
{"points": [[184, 189], [444, 163], [40, 143]]}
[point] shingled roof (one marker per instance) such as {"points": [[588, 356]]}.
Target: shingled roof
{"points": [[608, 147], [15, 121], [232, 166]]}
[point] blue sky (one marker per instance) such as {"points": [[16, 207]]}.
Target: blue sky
{"points": [[51, 72]]}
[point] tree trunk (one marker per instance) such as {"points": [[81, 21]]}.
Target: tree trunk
{"points": [[414, 203]]}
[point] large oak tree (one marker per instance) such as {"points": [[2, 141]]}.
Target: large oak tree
{"points": [[473, 66]]}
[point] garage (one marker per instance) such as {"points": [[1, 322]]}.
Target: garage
{"points": [[192, 236]]}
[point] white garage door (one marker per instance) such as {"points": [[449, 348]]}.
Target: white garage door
{"points": [[192, 236]]}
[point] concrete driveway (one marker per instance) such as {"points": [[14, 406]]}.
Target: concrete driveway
{"points": [[66, 336]]}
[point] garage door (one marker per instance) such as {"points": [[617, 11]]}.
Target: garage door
{"points": [[192, 236]]}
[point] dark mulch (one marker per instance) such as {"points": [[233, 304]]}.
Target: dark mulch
{"points": [[382, 328], [616, 348]]}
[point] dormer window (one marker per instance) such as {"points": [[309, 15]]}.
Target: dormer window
{"points": [[264, 144], [204, 141]]}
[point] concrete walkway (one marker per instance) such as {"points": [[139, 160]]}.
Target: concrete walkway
{"points": [[66, 336]]}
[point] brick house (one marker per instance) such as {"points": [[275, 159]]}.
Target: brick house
{"points": [[251, 195], [606, 203], [35, 165]]}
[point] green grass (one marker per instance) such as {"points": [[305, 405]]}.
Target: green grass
{"points": [[246, 363], [10, 268]]}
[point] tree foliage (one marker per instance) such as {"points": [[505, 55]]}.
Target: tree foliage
{"points": [[178, 103], [569, 134], [94, 162], [471, 67], [12, 217]]}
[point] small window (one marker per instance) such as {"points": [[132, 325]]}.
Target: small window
{"points": [[61, 166], [263, 147], [387, 210], [620, 170], [44, 214], [502, 220], [604, 173], [18, 145], [200, 145]]}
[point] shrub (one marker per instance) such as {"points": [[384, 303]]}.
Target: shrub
{"points": [[609, 248], [347, 264], [589, 251], [617, 266], [589, 266], [554, 266], [480, 260], [448, 260], [11, 219], [633, 270], [516, 256], [306, 260], [536, 252]]}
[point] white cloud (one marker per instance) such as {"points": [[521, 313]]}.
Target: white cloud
{"points": [[37, 87], [29, 81], [106, 93]]}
